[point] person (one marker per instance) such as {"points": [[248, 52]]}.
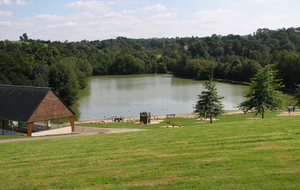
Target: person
{"points": [[293, 108]]}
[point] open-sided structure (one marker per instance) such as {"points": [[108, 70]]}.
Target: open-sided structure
{"points": [[30, 104]]}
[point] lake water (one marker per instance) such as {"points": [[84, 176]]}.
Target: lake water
{"points": [[127, 96]]}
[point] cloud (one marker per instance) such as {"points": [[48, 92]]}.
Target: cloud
{"points": [[164, 16], [5, 13], [107, 26], [5, 23], [220, 21], [118, 19], [101, 19], [273, 20], [23, 2], [128, 11], [153, 8], [67, 24], [217, 16], [138, 2], [48, 17], [5, 2], [175, 9], [263, 1], [110, 2], [11, 30], [269, 20], [18, 2], [93, 5]]}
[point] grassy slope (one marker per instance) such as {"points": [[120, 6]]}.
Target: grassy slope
{"points": [[232, 153]]}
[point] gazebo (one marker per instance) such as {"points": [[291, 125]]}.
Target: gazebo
{"points": [[29, 104]]}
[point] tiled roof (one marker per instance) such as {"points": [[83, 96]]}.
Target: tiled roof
{"points": [[18, 103]]}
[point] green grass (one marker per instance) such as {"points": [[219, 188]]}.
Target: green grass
{"points": [[12, 137], [232, 153]]}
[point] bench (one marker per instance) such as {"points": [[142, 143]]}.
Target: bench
{"points": [[170, 115], [118, 119]]}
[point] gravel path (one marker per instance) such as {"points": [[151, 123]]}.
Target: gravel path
{"points": [[80, 131]]}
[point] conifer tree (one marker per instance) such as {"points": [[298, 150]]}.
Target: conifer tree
{"points": [[263, 94], [209, 104]]}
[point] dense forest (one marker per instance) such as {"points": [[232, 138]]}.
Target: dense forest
{"points": [[65, 66]]}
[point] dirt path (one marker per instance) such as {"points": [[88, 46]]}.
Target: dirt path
{"points": [[286, 113], [79, 131]]}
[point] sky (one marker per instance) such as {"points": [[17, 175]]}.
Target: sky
{"points": [[72, 20]]}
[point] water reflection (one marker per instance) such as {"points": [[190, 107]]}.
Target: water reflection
{"points": [[127, 96]]}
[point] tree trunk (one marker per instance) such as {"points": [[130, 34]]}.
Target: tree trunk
{"points": [[211, 120], [263, 113]]}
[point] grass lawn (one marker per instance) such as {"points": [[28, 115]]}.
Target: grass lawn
{"points": [[232, 153], [10, 136]]}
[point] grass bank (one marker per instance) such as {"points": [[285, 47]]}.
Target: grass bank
{"points": [[232, 153]]}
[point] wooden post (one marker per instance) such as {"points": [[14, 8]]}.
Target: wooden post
{"points": [[29, 129], [71, 119]]}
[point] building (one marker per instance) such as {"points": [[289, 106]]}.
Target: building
{"points": [[27, 104]]}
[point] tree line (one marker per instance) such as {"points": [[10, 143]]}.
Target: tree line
{"points": [[66, 66]]}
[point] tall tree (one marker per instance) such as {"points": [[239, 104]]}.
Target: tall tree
{"points": [[297, 95], [63, 81], [288, 68], [209, 104], [25, 37], [263, 94]]}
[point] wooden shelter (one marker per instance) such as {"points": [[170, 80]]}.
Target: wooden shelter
{"points": [[30, 104]]}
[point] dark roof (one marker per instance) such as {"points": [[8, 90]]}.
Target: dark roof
{"points": [[18, 103]]}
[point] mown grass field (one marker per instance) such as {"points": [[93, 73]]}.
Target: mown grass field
{"points": [[232, 153]]}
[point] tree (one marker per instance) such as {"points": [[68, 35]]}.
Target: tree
{"points": [[25, 37], [288, 68], [209, 104], [125, 64], [40, 76], [199, 48], [179, 68], [162, 68], [63, 81], [297, 95], [263, 94]]}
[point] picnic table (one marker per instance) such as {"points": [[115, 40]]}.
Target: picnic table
{"points": [[170, 115]]}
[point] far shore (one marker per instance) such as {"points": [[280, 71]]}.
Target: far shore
{"points": [[160, 117], [182, 115]]}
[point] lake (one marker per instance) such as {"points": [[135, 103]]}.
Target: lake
{"points": [[127, 96]]}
